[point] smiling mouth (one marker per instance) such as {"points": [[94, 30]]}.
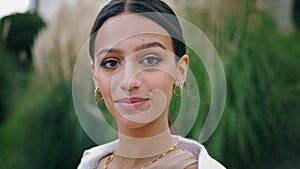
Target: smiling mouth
{"points": [[132, 103]]}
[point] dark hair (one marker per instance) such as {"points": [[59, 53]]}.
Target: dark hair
{"points": [[156, 10]]}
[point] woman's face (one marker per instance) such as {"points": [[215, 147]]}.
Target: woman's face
{"points": [[135, 69]]}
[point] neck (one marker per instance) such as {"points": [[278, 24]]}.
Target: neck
{"points": [[132, 147]]}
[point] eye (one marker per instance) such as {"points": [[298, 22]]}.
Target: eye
{"points": [[110, 63], [151, 60]]}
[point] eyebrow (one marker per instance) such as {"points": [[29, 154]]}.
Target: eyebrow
{"points": [[110, 50], [142, 47], [150, 45]]}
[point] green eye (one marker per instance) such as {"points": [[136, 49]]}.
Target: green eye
{"points": [[151, 60]]}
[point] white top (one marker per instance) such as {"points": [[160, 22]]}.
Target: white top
{"points": [[91, 157]]}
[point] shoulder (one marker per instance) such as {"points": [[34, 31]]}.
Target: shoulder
{"points": [[90, 158], [101, 150], [193, 166], [188, 144], [198, 150]]}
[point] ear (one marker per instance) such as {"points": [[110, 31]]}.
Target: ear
{"points": [[96, 82], [182, 69]]}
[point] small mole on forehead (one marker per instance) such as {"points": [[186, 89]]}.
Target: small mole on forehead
{"points": [[143, 40]]}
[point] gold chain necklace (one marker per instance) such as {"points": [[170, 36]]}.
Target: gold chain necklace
{"points": [[110, 158]]}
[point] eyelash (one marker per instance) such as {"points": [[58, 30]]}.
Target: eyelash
{"points": [[112, 63], [151, 56], [109, 61]]}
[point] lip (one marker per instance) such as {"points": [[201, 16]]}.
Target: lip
{"points": [[132, 103]]}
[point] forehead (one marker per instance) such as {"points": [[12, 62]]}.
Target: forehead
{"points": [[127, 25]]}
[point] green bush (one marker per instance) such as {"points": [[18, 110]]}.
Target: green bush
{"points": [[18, 33], [44, 131], [260, 124], [7, 68]]}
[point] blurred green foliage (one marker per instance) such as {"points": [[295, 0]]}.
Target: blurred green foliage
{"points": [[44, 131], [38, 126], [260, 125], [296, 13], [6, 85], [17, 34]]}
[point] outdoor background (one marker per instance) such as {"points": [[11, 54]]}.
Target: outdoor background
{"points": [[258, 42]]}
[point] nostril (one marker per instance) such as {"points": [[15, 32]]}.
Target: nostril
{"points": [[129, 84], [128, 77]]}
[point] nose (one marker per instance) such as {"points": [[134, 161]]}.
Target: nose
{"points": [[130, 79]]}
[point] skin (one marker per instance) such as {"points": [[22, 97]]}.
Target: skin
{"points": [[135, 70]]}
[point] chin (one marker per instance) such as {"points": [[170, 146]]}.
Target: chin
{"points": [[128, 124]]}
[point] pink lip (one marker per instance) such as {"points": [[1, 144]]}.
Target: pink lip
{"points": [[132, 103]]}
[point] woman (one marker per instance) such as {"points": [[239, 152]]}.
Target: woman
{"points": [[139, 62]]}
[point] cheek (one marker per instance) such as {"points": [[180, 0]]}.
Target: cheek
{"points": [[161, 81], [104, 83]]}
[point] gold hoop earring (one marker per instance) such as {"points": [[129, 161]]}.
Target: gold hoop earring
{"points": [[98, 95], [177, 91]]}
